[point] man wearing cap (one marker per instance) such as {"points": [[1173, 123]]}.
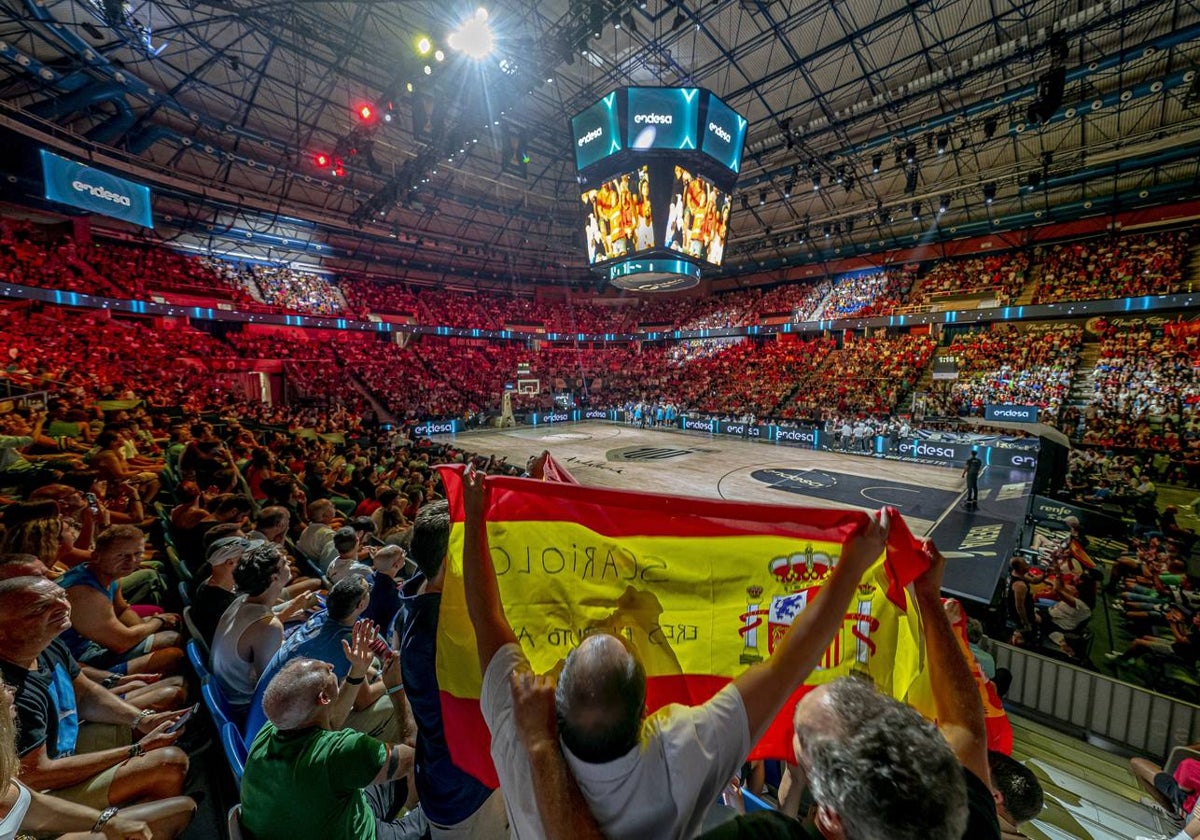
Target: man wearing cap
{"points": [[215, 594]]}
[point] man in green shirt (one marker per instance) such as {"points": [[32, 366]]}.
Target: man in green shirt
{"points": [[306, 779]]}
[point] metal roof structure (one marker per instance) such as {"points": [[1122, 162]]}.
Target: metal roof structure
{"points": [[872, 125]]}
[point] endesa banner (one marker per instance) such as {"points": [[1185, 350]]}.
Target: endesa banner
{"points": [[573, 416], [73, 183], [1011, 413], [427, 428], [919, 450]]}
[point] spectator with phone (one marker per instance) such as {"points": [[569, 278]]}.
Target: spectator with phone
{"points": [[31, 811], [77, 740], [321, 638], [349, 785]]}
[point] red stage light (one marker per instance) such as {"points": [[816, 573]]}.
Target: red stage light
{"points": [[322, 160], [366, 112]]}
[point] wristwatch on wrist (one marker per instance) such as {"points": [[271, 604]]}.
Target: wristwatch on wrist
{"points": [[136, 749], [142, 715], [111, 681], [105, 815]]}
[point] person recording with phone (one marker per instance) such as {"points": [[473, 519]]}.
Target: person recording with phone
{"points": [[77, 740]]}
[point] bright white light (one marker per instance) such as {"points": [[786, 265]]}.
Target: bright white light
{"points": [[474, 36]]}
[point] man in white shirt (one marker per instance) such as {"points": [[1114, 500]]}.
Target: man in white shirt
{"points": [[640, 777]]}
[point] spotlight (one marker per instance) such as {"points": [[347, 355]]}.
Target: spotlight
{"points": [[989, 128], [989, 192], [944, 204], [423, 45], [365, 112], [439, 56], [428, 70], [910, 181], [943, 140], [474, 36], [841, 174], [787, 189], [910, 152], [826, 231], [1035, 180], [816, 182], [916, 211], [762, 198], [680, 20], [321, 159], [876, 163]]}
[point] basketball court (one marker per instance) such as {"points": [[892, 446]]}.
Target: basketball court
{"points": [[599, 454]]}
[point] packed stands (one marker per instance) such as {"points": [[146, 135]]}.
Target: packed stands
{"points": [[1126, 266], [1000, 275], [1146, 387], [868, 295], [1010, 365], [295, 291], [869, 375], [364, 294]]}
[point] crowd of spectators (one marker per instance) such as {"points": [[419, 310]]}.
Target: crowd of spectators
{"points": [[868, 295], [1002, 275], [1113, 267], [1008, 365], [865, 376], [364, 295], [294, 290]]}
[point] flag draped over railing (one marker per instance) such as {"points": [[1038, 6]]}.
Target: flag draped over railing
{"points": [[702, 589]]}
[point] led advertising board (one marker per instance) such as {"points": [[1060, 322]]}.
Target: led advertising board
{"points": [[596, 132], [79, 185], [662, 118], [724, 134]]}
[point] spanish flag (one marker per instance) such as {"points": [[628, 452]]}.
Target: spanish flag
{"points": [[701, 588]]}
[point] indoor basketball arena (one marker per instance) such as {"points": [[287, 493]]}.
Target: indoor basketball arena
{"points": [[622, 419]]}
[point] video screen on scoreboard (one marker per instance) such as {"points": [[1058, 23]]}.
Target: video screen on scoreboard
{"points": [[619, 218], [698, 220]]}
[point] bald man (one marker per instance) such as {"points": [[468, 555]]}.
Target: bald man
{"points": [[78, 741], [639, 776], [307, 778]]}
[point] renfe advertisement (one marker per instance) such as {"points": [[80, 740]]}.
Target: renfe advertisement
{"points": [[74, 183]]}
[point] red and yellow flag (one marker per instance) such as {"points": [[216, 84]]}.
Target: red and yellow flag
{"points": [[701, 588]]}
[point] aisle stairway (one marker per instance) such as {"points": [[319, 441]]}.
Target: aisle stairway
{"points": [[1192, 268], [1090, 793], [1034, 276], [1083, 379]]}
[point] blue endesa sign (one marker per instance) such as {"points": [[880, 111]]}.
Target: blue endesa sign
{"points": [[1011, 413], [437, 427], [73, 183]]}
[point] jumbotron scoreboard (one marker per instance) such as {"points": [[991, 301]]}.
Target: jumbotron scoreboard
{"points": [[657, 168]]}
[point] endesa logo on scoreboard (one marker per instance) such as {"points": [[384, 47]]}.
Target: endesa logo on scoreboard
{"points": [[724, 134], [663, 118], [596, 132]]}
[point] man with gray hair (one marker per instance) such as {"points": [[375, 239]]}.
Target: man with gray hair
{"points": [[338, 782], [640, 776]]}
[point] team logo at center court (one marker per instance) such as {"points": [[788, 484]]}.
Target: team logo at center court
{"points": [[650, 453], [796, 580]]}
